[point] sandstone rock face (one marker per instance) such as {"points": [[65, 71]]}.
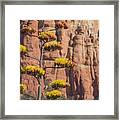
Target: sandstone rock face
{"points": [[86, 73], [32, 44], [32, 85], [80, 46]]}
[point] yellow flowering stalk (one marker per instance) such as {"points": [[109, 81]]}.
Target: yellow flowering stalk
{"points": [[64, 62], [34, 70], [54, 94], [58, 83], [31, 30], [47, 35], [52, 45], [22, 70], [23, 87], [23, 49], [28, 29]]}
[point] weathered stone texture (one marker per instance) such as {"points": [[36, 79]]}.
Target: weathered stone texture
{"points": [[82, 48], [32, 43], [32, 85]]}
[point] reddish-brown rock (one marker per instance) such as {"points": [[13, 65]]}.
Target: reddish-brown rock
{"points": [[32, 58], [32, 85], [80, 47]]}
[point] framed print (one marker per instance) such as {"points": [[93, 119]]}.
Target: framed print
{"points": [[59, 60]]}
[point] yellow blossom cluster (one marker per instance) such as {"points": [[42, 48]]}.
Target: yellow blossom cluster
{"points": [[28, 29], [34, 69], [54, 94], [23, 87], [52, 45], [64, 62], [58, 83], [23, 49], [47, 35]]}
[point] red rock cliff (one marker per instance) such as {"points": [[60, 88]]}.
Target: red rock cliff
{"points": [[80, 45]]}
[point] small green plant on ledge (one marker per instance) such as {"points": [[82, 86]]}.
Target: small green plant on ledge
{"points": [[63, 62], [52, 45], [33, 70]]}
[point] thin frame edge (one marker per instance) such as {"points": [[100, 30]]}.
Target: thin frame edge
{"points": [[116, 49]]}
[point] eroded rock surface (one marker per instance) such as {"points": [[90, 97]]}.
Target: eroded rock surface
{"points": [[82, 47]]}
